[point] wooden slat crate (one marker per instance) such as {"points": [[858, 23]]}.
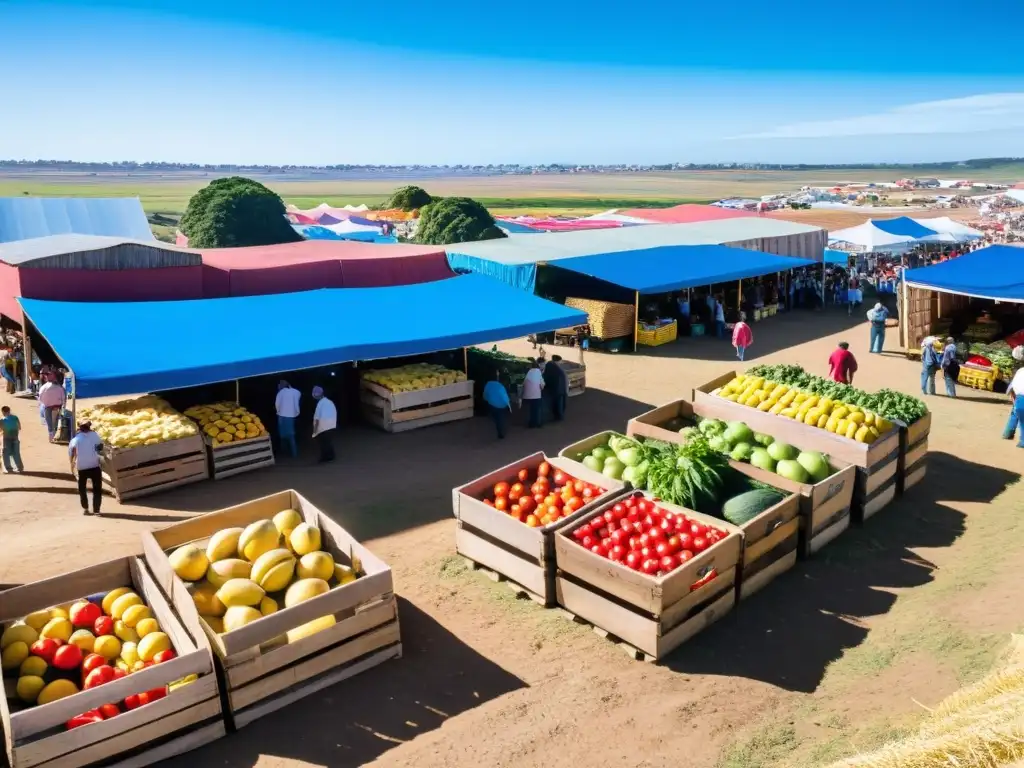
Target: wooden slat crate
{"points": [[651, 614], [234, 458], [402, 411], [913, 452], [584, 446], [577, 373], [508, 547], [261, 672], [607, 320], [824, 507], [876, 462], [135, 472], [186, 718]]}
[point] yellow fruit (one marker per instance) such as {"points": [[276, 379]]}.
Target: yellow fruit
{"points": [[831, 423], [60, 612], [123, 603], [840, 411], [59, 629], [875, 434], [731, 398], [58, 689], [152, 644], [287, 521], [305, 539], [84, 639], [107, 646], [826, 404], [268, 605], [29, 687], [37, 620], [856, 417], [279, 577], [812, 416], [863, 435], [303, 590], [343, 574], [223, 570], [146, 626], [123, 665], [812, 400], [184, 681], [800, 397], [851, 429], [207, 602], [869, 418], [240, 592], [135, 614], [788, 398], [189, 562], [776, 409], [259, 537], [789, 413], [33, 666], [13, 655], [766, 405], [130, 653], [884, 425], [268, 560], [240, 615], [108, 601], [822, 421], [125, 633], [223, 544], [316, 565], [19, 632], [310, 628], [216, 623]]}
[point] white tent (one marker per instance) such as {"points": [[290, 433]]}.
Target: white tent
{"points": [[868, 237], [349, 227], [949, 231], [612, 215]]}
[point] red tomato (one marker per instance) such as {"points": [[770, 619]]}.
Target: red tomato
{"points": [[488, 502], [666, 526], [669, 563], [609, 517], [605, 545], [685, 555], [501, 504], [663, 549], [560, 477], [634, 561], [527, 505], [588, 493], [656, 535], [685, 541], [682, 525], [67, 657], [650, 567], [617, 552], [699, 544], [712, 537], [698, 529], [631, 502], [104, 625], [674, 544], [92, 661], [524, 475], [514, 495], [633, 514], [540, 488], [99, 676], [163, 656], [586, 529], [588, 541], [45, 648], [500, 489], [648, 553], [645, 540], [109, 710], [620, 511], [634, 544], [134, 701], [596, 549], [92, 716], [544, 469], [538, 498], [578, 486]]}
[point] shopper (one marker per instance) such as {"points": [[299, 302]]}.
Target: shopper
{"points": [[325, 421], [950, 367], [842, 364], [287, 406], [877, 316], [556, 387], [496, 397], [929, 366], [11, 428], [719, 319], [7, 368], [51, 402], [533, 388], [84, 451], [1016, 394], [742, 336]]}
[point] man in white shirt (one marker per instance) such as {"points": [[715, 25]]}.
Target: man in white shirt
{"points": [[51, 400], [84, 452], [1016, 394], [325, 421], [287, 405], [533, 388]]}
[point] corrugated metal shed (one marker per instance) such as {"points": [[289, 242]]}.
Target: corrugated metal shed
{"points": [[94, 252], [22, 218]]}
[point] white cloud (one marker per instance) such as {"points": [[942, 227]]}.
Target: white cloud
{"points": [[971, 114]]}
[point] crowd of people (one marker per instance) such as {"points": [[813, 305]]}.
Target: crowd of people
{"points": [[545, 393]]}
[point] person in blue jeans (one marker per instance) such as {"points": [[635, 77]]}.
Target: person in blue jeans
{"points": [[496, 397], [950, 366], [11, 430], [929, 367], [287, 406], [877, 316], [1016, 394]]}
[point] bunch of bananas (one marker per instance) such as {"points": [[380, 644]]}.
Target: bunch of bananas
{"points": [[145, 420], [226, 422], [843, 419], [414, 377]]}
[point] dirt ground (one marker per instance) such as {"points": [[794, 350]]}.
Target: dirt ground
{"points": [[835, 656]]}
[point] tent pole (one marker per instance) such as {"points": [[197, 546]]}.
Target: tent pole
{"points": [[739, 296], [26, 350], [74, 405], [465, 360], [238, 397], [636, 319]]}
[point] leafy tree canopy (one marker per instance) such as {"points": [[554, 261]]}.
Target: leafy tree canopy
{"points": [[456, 220], [408, 198], [233, 212]]}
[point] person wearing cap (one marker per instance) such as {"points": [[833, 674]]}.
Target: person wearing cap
{"points": [[325, 421], [877, 316], [287, 406], [84, 452], [950, 367], [1016, 394]]}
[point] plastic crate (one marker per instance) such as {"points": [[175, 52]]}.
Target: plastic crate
{"points": [[655, 338], [975, 378]]}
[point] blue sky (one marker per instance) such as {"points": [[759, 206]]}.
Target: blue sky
{"points": [[454, 82]]}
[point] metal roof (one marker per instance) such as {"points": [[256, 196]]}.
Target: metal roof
{"points": [[31, 252], [25, 217]]}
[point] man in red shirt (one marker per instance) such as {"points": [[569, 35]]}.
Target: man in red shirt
{"points": [[842, 364]]}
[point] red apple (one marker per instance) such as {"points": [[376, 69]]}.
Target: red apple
{"points": [[91, 662], [104, 625], [83, 614], [99, 676], [67, 657], [45, 649]]}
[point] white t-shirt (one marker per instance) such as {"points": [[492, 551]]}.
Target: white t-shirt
{"points": [[325, 416], [287, 402], [1017, 383], [533, 384], [86, 446], [51, 395]]}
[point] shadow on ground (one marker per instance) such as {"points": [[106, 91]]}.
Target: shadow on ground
{"points": [[357, 720], [789, 632]]}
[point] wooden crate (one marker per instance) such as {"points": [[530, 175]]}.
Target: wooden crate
{"points": [[575, 451], [606, 319], [914, 452], [577, 373], [877, 463], [402, 411], [651, 614], [135, 472], [183, 720], [262, 674], [824, 507], [506, 546], [234, 458]]}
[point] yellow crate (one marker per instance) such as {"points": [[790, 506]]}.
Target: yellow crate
{"points": [[663, 335], [975, 379]]}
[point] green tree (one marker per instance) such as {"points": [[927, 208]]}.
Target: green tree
{"points": [[236, 211], [456, 220], [408, 198]]}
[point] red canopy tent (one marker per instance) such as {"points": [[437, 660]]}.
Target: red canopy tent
{"points": [[688, 213]]}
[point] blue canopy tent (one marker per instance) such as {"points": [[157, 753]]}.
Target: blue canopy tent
{"points": [[904, 226], [995, 272], [334, 326]]}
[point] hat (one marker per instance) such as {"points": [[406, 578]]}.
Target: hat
{"points": [[878, 305], [85, 424]]}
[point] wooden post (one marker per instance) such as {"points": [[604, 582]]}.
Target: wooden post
{"points": [[905, 317], [739, 296], [465, 360], [26, 349], [238, 397], [636, 320], [74, 407]]}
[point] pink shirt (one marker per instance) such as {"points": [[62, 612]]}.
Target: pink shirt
{"points": [[51, 395], [742, 336]]}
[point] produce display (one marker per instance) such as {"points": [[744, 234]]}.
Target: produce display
{"points": [[998, 353], [542, 497], [145, 420], [227, 422], [645, 537], [413, 377], [841, 417], [483, 362], [244, 574], [59, 651]]}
